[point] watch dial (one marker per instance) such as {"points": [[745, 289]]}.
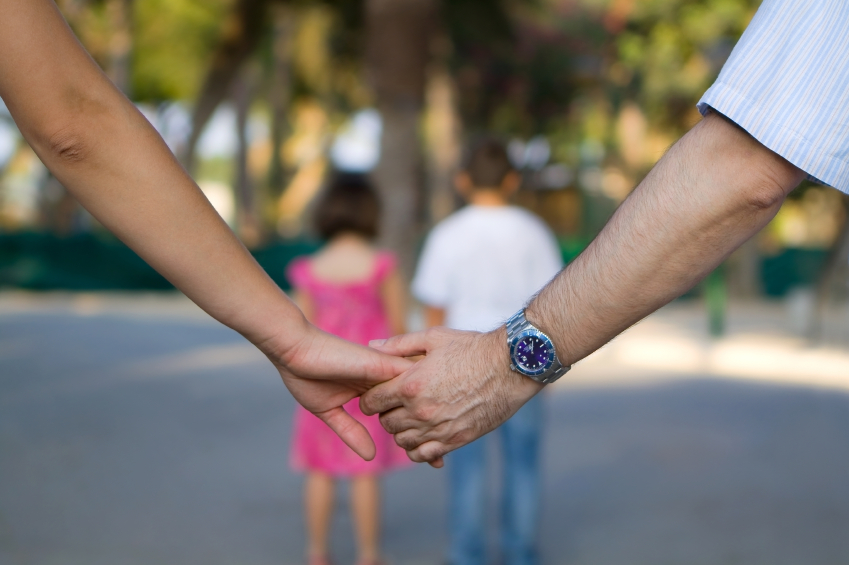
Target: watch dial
{"points": [[532, 353]]}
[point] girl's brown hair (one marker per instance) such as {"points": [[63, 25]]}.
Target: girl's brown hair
{"points": [[349, 204]]}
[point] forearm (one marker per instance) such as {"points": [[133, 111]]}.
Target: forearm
{"points": [[135, 187], [106, 154], [713, 190]]}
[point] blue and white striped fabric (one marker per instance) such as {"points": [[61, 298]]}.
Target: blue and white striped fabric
{"points": [[787, 84]]}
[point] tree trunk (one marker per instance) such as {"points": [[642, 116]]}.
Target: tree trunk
{"points": [[398, 35], [120, 14], [243, 31], [836, 263], [280, 92], [443, 134], [247, 223]]}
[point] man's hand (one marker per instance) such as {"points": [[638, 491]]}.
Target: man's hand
{"points": [[461, 390], [323, 372]]}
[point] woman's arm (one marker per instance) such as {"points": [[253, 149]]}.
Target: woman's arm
{"points": [[113, 161]]}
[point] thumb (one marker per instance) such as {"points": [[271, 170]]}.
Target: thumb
{"points": [[353, 433]]}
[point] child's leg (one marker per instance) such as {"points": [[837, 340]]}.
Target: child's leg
{"points": [[318, 503], [365, 506]]}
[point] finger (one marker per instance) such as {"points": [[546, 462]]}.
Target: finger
{"points": [[386, 366], [406, 345], [351, 362], [437, 463], [382, 398], [398, 420], [408, 440], [353, 433], [428, 452]]}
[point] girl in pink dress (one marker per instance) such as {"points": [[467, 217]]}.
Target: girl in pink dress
{"points": [[352, 290]]}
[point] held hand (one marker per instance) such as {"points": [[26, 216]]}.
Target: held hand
{"points": [[323, 372], [461, 390]]}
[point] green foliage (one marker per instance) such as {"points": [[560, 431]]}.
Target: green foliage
{"points": [[671, 51], [173, 40], [513, 76]]}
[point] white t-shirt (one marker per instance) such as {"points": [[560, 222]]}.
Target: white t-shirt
{"points": [[481, 264]]}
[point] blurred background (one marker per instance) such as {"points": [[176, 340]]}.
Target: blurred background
{"points": [[135, 430]]}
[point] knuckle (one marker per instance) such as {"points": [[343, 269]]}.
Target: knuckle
{"points": [[388, 423], [434, 334], [411, 388], [406, 441], [423, 413]]}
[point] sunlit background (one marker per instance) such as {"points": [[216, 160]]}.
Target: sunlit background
{"points": [[135, 430]]}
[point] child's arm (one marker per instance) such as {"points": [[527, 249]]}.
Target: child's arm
{"points": [[434, 316], [394, 294]]}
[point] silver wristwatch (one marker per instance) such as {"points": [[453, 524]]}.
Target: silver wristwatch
{"points": [[532, 352]]}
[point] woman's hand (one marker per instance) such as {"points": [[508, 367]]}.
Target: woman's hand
{"points": [[323, 372]]}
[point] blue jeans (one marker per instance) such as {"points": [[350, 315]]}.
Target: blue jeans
{"points": [[467, 473]]}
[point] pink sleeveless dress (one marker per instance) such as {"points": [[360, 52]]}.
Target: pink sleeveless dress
{"points": [[353, 311]]}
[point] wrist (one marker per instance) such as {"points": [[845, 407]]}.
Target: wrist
{"points": [[522, 388], [547, 320], [279, 330]]}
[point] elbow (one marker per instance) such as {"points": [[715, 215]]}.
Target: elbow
{"points": [[67, 145], [760, 178], [75, 130], [764, 197], [766, 191]]}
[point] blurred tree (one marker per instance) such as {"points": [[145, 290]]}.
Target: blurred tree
{"points": [[398, 41], [120, 16], [833, 284], [280, 91], [670, 51], [247, 218], [172, 43], [241, 33]]}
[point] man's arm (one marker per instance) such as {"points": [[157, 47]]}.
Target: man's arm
{"points": [[111, 159], [712, 191]]}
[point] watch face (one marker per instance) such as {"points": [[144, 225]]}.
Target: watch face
{"points": [[532, 354]]}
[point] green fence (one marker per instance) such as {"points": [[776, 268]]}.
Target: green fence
{"points": [[792, 268], [39, 261]]}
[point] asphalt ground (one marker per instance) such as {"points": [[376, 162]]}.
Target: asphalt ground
{"points": [[135, 430]]}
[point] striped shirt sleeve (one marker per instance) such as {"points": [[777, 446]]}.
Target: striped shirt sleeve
{"points": [[787, 84]]}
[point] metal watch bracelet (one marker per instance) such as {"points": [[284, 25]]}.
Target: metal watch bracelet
{"points": [[518, 324]]}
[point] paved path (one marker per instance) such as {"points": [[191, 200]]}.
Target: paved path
{"points": [[135, 431]]}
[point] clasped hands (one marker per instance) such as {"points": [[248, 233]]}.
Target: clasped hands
{"points": [[461, 389]]}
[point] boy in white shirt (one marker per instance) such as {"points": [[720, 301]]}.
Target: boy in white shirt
{"points": [[478, 267]]}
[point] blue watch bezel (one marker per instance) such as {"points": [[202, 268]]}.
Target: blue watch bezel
{"points": [[531, 333]]}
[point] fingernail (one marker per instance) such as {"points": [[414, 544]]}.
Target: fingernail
{"points": [[376, 342]]}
